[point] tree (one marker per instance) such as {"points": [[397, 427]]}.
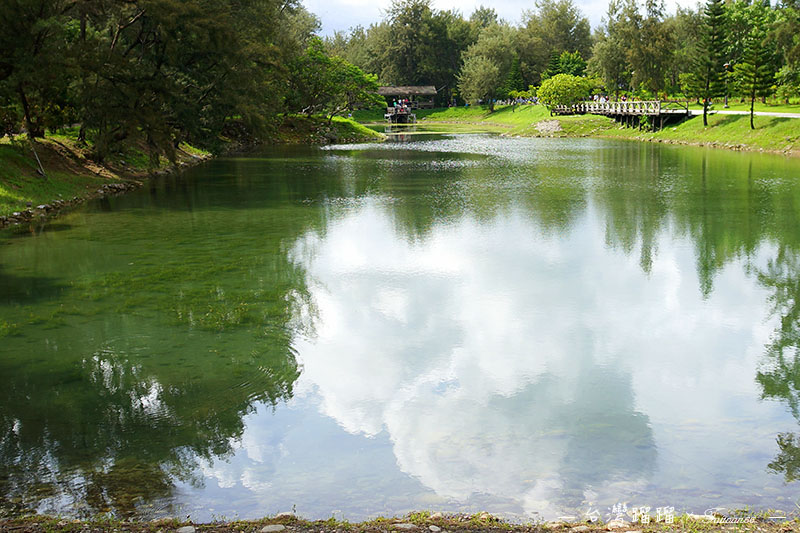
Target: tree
{"points": [[514, 81], [483, 17], [351, 88], [554, 26], [651, 45], [755, 72], [487, 64], [565, 89], [478, 80], [407, 42], [685, 27], [610, 58], [707, 68], [571, 63], [34, 60], [321, 83]]}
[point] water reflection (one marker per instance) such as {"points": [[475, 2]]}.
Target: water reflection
{"points": [[146, 361], [779, 374], [510, 371], [462, 322]]}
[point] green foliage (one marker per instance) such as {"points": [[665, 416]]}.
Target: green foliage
{"points": [[706, 79], [487, 65], [514, 82], [609, 58], [565, 89], [553, 27], [479, 79], [566, 63], [634, 50], [755, 72], [321, 83], [788, 78], [160, 71], [686, 27]]}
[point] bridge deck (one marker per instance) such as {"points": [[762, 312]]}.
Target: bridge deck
{"points": [[649, 108]]}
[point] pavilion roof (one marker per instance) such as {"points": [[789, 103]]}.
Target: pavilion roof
{"points": [[407, 90]]}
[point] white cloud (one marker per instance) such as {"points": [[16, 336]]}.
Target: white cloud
{"points": [[535, 384]]}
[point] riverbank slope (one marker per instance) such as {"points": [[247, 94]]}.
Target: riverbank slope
{"points": [[71, 177]]}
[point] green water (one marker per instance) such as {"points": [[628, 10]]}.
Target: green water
{"points": [[533, 327]]}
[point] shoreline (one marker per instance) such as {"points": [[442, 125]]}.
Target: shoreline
{"points": [[627, 134], [419, 522], [118, 177], [773, 134]]}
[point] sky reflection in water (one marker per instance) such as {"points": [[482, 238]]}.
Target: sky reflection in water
{"points": [[530, 327]]}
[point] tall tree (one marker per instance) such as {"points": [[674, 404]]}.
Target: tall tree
{"points": [[651, 46], [35, 60], [610, 58], [554, 26], [686, 28], [755, 71], [487, 64], [514, 81], [708, 65]]}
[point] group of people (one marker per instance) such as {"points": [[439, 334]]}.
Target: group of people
{"points": [[602, 99], [403, 104]]}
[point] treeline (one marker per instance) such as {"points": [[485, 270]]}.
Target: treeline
{"points": [[164, 71], [638, 49], [167, 71]]}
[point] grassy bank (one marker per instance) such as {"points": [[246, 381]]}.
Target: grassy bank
{"points": [[727, 131], [508, 116], [423, 522], [71, 176], [299, 129]]}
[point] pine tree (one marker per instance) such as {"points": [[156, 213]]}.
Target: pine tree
{"points": [[708, 67], [754, 72], [514, 81], [553, 66], [571, 63]]}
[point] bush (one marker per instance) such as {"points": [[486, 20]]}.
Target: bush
{"points": [[565, 89]]}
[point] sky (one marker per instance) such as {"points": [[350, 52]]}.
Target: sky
{"points": [[340, 15]]}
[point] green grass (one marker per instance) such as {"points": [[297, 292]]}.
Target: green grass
{"points": [[512, 116], [732, 131], [300, 129], [735, 105], [347, 127], [20, 185], [69, 173]]}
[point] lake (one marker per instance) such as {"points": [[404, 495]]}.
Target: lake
{"points": [[462, 322]]}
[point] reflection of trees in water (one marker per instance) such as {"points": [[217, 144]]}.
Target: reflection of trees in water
{"points": [[113, 391], [779, 376], [115, 432], [726, 208]]}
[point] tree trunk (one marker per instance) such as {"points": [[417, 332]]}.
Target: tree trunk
{"points": [[705, 112], [33, 130], [752, 103]]}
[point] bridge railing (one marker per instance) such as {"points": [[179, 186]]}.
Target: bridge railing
{"points": [[643, 107]]}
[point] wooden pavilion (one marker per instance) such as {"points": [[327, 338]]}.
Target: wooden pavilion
{"points": [[418, 96]]}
